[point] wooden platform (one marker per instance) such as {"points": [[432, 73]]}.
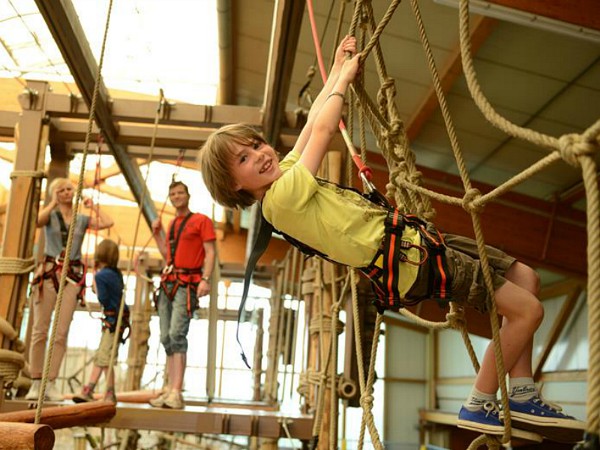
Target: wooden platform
{"points": [[236, 421]]}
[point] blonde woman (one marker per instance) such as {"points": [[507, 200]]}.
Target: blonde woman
{"points": [[56, 218]]}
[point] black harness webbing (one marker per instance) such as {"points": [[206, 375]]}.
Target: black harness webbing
{"points": [[109, 322], [383, 279], [64, 231], [174, 240], [384, 275], [258, 248]]}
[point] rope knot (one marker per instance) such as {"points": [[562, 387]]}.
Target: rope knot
{"points": [[396, 127], [366, 401], [572, 146], [456, 319], [469, 200]]}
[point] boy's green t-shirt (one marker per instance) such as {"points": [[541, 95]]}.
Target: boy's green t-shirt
{"points": [[338, 222]]}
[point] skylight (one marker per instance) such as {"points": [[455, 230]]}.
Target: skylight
{"points": [[151, 45]]}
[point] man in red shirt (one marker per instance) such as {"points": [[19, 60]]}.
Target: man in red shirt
{"points": [[190, 254]]}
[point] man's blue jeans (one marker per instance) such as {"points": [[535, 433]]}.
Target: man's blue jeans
{"points": [[174, 320]]}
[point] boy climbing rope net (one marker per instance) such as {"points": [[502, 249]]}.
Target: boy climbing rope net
{"points": [[407, 259]]}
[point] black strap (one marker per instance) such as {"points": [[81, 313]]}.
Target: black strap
{"points": [[174, 241], [258, 248], [262, 241], [64, 231]]}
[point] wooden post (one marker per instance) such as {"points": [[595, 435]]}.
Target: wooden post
{"points": [[324, 345], [257, 364], [211, 342], [274, 324], [25, 436], [140, 327], [31, 135], [268, 444]]}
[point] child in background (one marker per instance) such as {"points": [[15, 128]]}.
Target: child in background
{"points": [[406, 258], [108, 285]]}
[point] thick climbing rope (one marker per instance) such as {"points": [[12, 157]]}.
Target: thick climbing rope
{"points": [[63, 277], [130, 259], [575, 149], [578, 150]]}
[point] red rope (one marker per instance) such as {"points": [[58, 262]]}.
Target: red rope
{"points": [[364, 171]]}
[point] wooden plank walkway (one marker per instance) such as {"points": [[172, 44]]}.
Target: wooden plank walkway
{"points": [[237, 421]]}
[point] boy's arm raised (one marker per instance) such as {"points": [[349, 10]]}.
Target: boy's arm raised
{"points": [[348, 45], [327, 120]]}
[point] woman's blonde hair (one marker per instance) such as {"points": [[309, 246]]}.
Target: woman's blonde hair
{"points": [[107, 252], [56, 183], [215, 159]]}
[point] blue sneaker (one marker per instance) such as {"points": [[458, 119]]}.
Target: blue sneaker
{"points": [[486, 419], [547, 419]]}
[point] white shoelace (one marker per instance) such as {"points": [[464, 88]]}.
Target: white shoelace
{"points": [[491, 408], [542, 402]]}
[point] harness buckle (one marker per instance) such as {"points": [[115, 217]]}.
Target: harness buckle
{"points": [[167, 269]]}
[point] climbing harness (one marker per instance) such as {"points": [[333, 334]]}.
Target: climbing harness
{"points": [[171, 279], [109, 322], [383, 272], [51, 268]]}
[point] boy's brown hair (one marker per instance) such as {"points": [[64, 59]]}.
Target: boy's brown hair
{"points": [[215, 159], [107, 252]]}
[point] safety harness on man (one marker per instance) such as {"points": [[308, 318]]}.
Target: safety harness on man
{"points": [[190, 286], [53, 267], [384, 276]]}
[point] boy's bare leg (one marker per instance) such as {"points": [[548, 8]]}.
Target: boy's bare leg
{"points": [[95, 374], [522, 315], [528, 279]]}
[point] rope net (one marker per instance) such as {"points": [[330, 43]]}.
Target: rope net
{"points": [[381, 115]]}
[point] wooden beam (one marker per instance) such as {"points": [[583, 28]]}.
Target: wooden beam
{"points": [[559, 288], [225, 25], [8, 120], [285, 34], [19, 226], [583, 13], [144, 111], [65, 416], [481, 28], [557, 328], [198, 420], [25, 436], [169, 139]]}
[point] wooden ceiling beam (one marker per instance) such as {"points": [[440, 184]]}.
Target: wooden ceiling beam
{"points": [[583, 13], [144, 111], [286, 32], [480, 30], [558, 327], [169, 140]]}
